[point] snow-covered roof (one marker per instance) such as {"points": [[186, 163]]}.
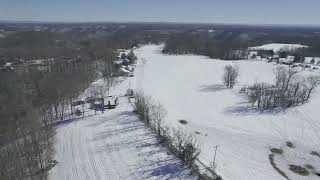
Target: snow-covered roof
{"points": [[252, 53], [124, 70], [290, 58], [8, 64], [309, 59], [117, 62], [97, 103], [129, 68], [283, 60]]}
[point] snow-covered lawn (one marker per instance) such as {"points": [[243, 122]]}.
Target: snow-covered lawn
{"points": [[112, 146], [190, 87], [278, 46]]}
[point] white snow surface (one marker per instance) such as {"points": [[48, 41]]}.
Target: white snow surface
{"points": [[114, 145], [278, 46], [190, 87]]}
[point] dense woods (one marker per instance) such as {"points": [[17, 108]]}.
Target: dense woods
{"points": [[203, 44], [232, 42], [31, 102], [51, 70]]}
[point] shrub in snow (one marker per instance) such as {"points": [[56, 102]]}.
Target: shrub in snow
{"points": [[290, 144], [182, 121], [186, 146]]}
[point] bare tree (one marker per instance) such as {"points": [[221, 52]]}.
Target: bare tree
{"points": [[311, 83], [289, 90], [142, 106], [158, 113], [186, 145], [230, 76]]}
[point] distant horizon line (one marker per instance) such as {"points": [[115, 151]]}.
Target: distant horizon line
{"points": [[157, 22]]}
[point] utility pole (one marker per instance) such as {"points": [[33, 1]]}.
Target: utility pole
{"points": [[215, 153]]}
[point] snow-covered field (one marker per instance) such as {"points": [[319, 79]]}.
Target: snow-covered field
{"points": [[278, 46], [114, 145], [190, 87]]}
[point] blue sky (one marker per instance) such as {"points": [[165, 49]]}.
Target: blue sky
{"points": [[199, 11]]}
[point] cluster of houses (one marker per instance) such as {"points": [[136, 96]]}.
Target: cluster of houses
{"points": [[36, 62], [126, 68], [311, 63]]}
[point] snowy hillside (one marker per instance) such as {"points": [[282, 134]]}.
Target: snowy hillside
{"points": [[191, 88], [278, 46], [114, 145]]}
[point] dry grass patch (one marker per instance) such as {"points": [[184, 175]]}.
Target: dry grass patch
{"points": [[299, 170], [309, 166], [276, 151], [273, 164]]}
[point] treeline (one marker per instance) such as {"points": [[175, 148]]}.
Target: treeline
{"points": [[181, 144], [72, 44], [290, 89], [204, 44], [300, 53]]}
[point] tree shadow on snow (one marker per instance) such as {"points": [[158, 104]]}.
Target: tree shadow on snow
{"points": [[247, 110], [65, 122], [167, 168], [211, 88], [119, 131], [118, 116]]}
